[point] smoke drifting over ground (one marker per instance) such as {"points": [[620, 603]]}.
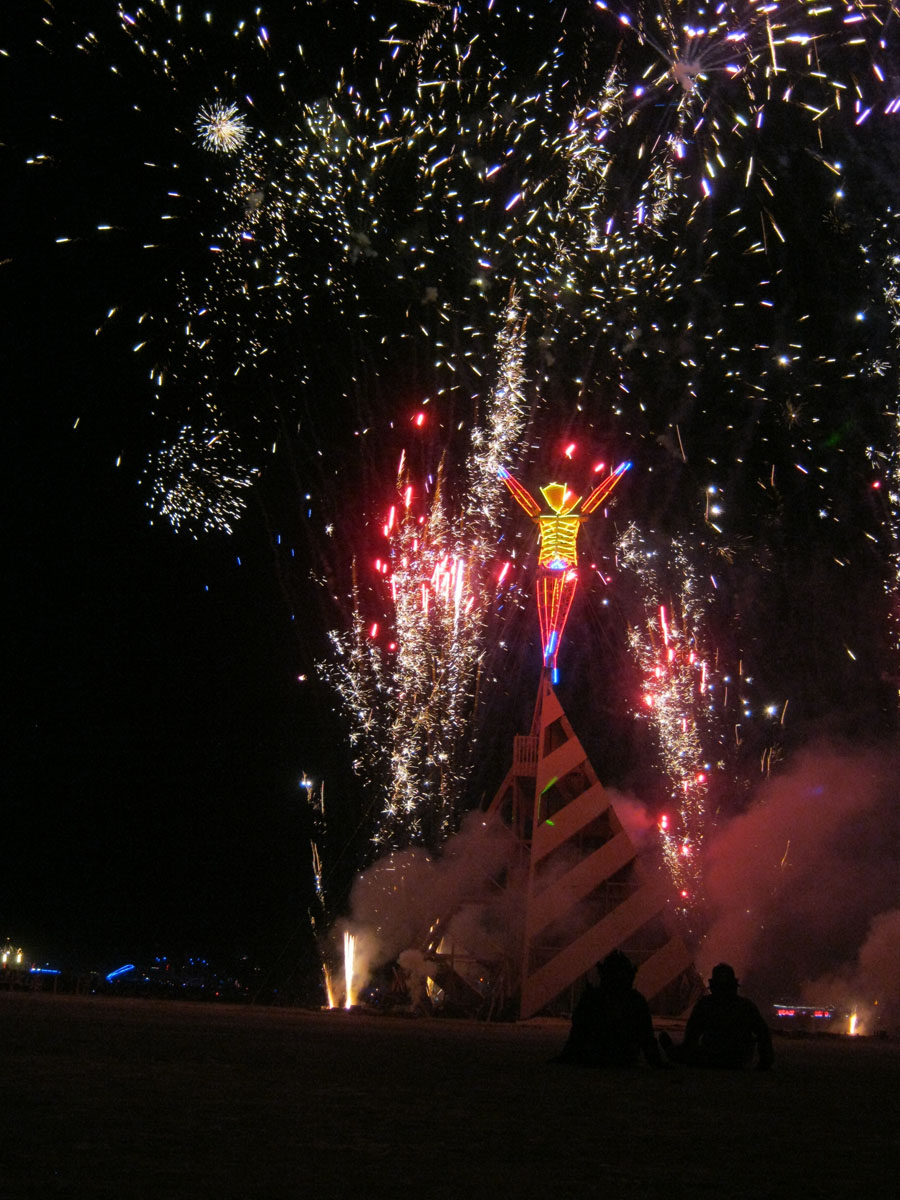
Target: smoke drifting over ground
{"points": [[396, 902], [803, 887]]}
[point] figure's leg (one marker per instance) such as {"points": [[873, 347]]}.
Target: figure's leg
{"points": [[556, 590]]}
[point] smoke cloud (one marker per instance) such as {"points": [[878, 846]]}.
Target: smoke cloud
{"points": [[636, 819], [870, 985], [397, 903], [803, 886]]}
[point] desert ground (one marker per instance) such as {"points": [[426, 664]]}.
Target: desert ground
{"points": [[152, 1099]]}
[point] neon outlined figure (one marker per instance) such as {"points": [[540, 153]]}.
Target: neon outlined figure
{"points": [[557, 576]]}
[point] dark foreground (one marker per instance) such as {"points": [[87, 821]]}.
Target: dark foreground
{"points": [[143, 1099]]}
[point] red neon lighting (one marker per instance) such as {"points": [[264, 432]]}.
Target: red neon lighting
{"points": [[522, 495], [601, 491], [557, 576], [555, 590]]}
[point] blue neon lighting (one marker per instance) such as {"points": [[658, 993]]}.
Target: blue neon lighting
{"points": [[119, 971]]}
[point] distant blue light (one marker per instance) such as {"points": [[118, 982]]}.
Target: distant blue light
{"points": [[119, 971], [43, 971]]}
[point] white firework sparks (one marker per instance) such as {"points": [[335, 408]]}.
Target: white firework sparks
{"points": [[222, 128], [198, 482]]}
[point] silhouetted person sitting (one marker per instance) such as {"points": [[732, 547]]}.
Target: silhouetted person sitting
{"points": [[611, 1024], [724, 1029]]}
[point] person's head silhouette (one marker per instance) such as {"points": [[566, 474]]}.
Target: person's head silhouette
{"points": [[723, 981], [616, 971]]}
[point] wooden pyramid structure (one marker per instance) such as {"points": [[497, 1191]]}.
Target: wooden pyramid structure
{"points": [[585, 892]]}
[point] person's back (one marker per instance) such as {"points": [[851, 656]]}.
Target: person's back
{"points": [[611, 1024], [724, 1029]]}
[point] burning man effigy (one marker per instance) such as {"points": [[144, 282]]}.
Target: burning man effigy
{"points": [[557, 554]]}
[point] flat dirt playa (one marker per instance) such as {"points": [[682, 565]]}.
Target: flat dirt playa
{"points": [[152, 1099]]}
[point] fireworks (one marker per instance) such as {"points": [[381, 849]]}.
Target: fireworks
{"points": [[643, 220], [349, 969], [708, 79], [412, 690], [222, 127], [198, 482], [677, 699], [888, 458]]}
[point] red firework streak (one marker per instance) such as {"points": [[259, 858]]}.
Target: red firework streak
{"points": [[557, 554]]}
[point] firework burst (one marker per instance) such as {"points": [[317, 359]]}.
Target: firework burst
{"points": [[678, 689], [199, 483], [410, 684], [658, 184], [222, 127], [706, 80]]}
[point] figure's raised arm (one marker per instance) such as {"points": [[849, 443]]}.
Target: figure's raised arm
{"points": [[522, 495], [602, 490]]}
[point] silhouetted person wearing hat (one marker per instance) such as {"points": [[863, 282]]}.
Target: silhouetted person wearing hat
{"points": [[611, 1024], [724, 1029]]}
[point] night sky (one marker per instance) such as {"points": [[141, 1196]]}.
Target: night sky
{"points": [[158, 724], [157, 728], [157, 732]]}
